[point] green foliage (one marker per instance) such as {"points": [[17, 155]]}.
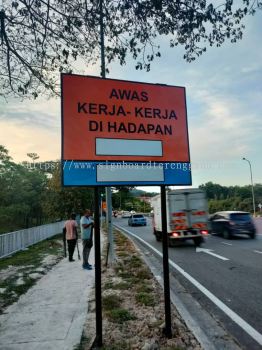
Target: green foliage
{"points": [[144, 288], [59, 202], [111, 302], [32, 194], [120, 286], [51, 36], [120, 315], [21, 192], [143, 274], [145, 299], [135, 262], [130, 199], [231, 197]]}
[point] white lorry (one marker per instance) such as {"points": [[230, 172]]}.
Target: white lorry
{"points": [[187, 215]]}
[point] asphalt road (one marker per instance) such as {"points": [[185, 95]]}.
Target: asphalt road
{"points": [[230, 270]]}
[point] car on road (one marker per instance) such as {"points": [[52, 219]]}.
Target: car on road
{"points": [[230, 223], [126, 214], [137, 220]]}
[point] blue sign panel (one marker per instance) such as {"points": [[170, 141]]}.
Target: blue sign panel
{"points": [[89, 173]]}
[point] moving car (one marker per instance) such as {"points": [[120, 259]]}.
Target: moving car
{"points": [[137, 220], [229, 223], [126, 214]]}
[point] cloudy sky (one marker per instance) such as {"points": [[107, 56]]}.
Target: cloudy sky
{"points": [[224, 107]]}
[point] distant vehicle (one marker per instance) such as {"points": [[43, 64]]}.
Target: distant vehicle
{"points": [[126, 214], [187, 216], [229, 223], [132, 212], [137, 220]]}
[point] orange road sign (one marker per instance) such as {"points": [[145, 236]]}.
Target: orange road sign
{"points": [[108, 119]]}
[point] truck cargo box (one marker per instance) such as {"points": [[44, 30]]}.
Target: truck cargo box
{"points": [[187, 215]]}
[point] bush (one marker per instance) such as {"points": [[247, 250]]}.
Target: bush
{"points": [[145, 299], [120, 315], [111, 302]]}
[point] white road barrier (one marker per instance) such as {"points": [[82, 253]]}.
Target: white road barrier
{"points": [[12, 242]]}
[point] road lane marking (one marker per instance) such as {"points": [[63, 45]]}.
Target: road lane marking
{"points": [[209, 251], [226, 243], [230, 313], [257, 251]]}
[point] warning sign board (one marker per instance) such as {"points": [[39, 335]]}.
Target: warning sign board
{"points": [[108, 120]]}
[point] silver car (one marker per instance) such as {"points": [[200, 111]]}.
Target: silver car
{"points": [[137, 220]]}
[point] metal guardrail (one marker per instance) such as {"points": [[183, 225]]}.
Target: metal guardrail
{"points": [[13, 242]]}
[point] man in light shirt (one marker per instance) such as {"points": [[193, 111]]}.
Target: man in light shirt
{"points": [[86, 226], [71, 235]]}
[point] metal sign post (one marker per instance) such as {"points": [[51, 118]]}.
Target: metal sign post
{"points": [[98, 291], [167, 330]]}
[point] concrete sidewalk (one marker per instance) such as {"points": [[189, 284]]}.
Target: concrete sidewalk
{"points": [[51, 315]]}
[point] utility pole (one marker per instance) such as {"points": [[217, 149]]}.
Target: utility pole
{"points": [[252, 187]]}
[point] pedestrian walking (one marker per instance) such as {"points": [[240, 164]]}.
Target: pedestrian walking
{"points": [[71, 235], [86, 226]]}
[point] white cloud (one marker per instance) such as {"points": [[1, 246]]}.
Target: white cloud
{"points": [[22, 139], [224, 130]]}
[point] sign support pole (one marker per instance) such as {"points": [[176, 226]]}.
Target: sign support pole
{"points": [[167, 330], [98, 289], [98, 292]]}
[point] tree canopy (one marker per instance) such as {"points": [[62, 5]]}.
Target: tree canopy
{"points": [[40, 38], [232, 197], [21, 194]]}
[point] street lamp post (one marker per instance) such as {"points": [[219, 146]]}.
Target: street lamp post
{"points": [[252, 186]]}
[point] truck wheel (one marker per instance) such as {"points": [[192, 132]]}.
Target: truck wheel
{"points": [[198, 241]]}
